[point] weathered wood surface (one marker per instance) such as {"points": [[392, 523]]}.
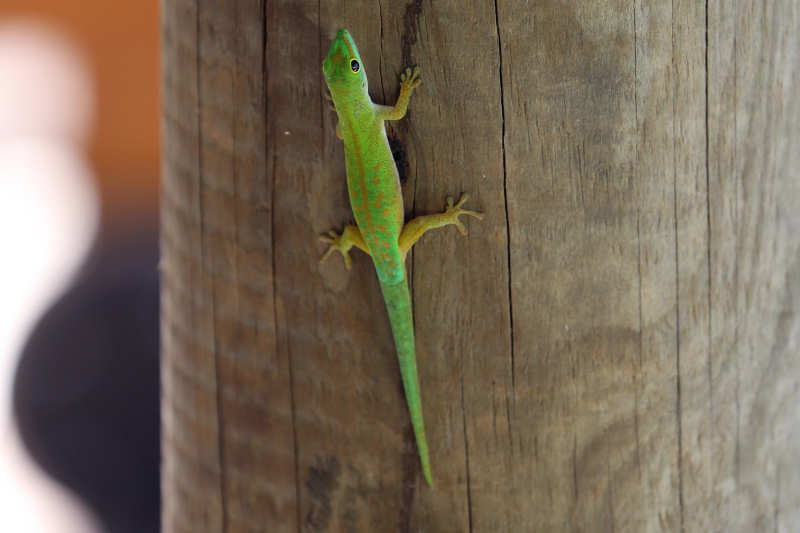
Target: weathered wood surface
{"points": [[614, 348]]}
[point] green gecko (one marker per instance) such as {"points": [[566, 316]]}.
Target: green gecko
{"points": [[377, 203]]}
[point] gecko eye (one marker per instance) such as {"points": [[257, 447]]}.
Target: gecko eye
{"points": [[354, 66]]}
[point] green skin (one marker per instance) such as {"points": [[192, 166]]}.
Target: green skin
{"points": [[377, 204]]}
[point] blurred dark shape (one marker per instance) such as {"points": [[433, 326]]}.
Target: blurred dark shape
{"points": [[86, 392]]}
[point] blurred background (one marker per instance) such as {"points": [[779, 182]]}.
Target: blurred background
{"points": [[79, 167]]}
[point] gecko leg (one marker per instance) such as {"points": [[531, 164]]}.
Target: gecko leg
{"points": [[417, 227], [351, 236], [409, 80]]}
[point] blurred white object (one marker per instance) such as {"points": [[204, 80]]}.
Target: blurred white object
{"points": [[49, 214], [45, 86]]}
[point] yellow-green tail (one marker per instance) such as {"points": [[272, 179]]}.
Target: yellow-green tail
{"points": [[398, 304]]}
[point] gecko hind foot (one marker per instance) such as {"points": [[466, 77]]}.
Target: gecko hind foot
{"points": [[454, 211], [337, 243]]}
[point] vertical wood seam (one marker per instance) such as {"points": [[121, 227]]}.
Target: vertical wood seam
{"points": [[574, 469], [738, 179], [273, 248], [709, 369], [678, 413], [638, 375], [411, 16], [641, 343], [323, 104], [776, 512], [380, 53], [505, 198], [203, 266], [466, 448]]}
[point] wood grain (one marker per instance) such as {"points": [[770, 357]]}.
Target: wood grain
{"points": [[613, 348]]}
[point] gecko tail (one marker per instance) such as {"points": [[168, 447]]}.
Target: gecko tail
{"points": [[398, 305]]}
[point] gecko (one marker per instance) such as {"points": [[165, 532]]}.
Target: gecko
{"points": [[377, 204]]}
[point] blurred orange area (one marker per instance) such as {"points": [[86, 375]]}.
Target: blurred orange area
{"points": [[120, 42]]}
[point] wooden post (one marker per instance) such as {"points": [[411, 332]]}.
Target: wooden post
{"points": [[614, 348]]}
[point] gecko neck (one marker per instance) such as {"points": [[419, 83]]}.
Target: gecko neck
{"points": [[352, 103]]}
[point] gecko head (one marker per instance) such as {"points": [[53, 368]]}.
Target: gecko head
{"points": [[342, 67]]}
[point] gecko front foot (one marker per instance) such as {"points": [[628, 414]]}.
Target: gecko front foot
{"points": [[453, 211], [409, 79]]}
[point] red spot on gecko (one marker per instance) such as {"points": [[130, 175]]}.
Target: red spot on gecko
{"points": [[378, 201]]}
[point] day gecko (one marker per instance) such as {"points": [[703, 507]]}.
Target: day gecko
{"points": [[377, 203]]}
